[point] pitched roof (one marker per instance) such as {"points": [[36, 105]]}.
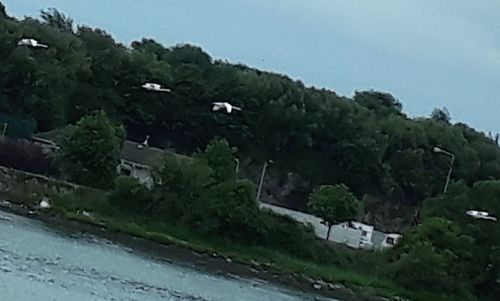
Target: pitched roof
{"points": [[129, 152], [50, 135]]}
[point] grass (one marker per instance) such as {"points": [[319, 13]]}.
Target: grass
{"points": [[358, 272]]}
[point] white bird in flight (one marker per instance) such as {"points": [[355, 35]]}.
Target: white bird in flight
{"points": [[155, 87], [480, 215], [224, 105], [31, 43]]}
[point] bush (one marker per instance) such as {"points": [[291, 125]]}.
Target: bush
{"points": [[220, 157], [292, 237], [423, 269], [229, 209], [179, 182], [130, 196]]}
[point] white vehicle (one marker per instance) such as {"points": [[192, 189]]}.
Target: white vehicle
{"points": [[480, 215], [224, 105], [31, 43], [155, 87], [391, 240]]}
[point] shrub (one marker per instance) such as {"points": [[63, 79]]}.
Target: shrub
{"points": [[292, 237], [179, 182], [130, 196], [229, 209]]}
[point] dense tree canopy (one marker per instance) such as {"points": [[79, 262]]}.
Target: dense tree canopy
{"points": [[90, 151], [366, 142]]}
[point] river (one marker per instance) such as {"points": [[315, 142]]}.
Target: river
{"points": [[40, 263]]}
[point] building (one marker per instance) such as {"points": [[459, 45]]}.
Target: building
{"points": [[353, 234], [135, 159]]}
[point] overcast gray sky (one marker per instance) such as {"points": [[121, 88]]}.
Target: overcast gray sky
{"points": [[426, 53]]}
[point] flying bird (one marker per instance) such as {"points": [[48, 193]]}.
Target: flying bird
{"points": [[480, 215], [155, 87], [224, 105], [31, 43]]}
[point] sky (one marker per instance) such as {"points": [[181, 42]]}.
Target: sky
{"points": [[426, 53]]}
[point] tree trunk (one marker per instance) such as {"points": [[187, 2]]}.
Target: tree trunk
{"points": [[328, 233]]}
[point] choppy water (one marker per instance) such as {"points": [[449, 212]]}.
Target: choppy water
{"points": [[38, 263]]}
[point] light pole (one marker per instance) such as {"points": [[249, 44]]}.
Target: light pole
{"points": [[442, 151], [262, 175], [237, 167], [4, 129]]}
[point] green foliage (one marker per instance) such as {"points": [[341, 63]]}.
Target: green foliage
{"points": [[422, 268], [480, 260], [438, 254], [334, 204], [56, 19], [220, 157], [229, 209], [365, 142], [179, 182], [90, 151], [3, 13], [130, 196]]}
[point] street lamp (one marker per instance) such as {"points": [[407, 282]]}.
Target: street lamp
{"points": [[262, 175], [237, 167], [452, 156], [4, 129]]}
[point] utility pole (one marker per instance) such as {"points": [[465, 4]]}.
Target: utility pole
{"points": [[237, 167], [262, 175], [452, 156], [4, 129]]}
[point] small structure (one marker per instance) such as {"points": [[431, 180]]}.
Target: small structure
{"points": [[135, 158]]}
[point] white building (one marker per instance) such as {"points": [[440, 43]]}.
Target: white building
{"points": [[353, 234]]}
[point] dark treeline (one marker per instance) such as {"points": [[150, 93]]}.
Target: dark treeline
{"points": [[365, 142]]}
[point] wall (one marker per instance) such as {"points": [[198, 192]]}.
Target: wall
{"points": [[19, 184]]}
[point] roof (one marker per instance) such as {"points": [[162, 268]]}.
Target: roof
{"points": [[51, 135], [131, 152]]}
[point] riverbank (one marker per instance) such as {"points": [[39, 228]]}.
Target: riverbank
{"points": [[169, 249]]}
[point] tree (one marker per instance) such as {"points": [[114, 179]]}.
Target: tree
{"points": [[380, 102], [90, 151], [439, 254], [441, 115], [333, 204], [3, 13], [220, 157], [229, 209], [57, 19], [179, 183], [130, 196]]}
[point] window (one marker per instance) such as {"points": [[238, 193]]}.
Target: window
{"points": [[390, 240], [364, 233], [126, 172]]}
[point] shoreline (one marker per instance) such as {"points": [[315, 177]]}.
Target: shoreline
{"points": [[187, 256]]}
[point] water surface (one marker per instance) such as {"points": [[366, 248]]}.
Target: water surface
{"points": [[39, 263]]}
